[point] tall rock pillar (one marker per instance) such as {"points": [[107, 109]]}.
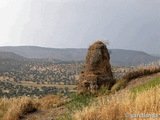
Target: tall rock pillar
{"points": [[97, 71]]}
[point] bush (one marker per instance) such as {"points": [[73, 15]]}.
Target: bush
{"points": [[141, 72], [16, 107], [120, 84]]}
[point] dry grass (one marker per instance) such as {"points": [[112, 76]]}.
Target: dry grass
{"points": [[15, 108], [50, 101], [115, 107], [139, 71]]}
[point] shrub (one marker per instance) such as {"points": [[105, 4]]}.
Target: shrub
{"points": [[141, 72], [14, 108]]}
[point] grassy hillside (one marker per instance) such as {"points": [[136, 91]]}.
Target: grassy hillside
{"points": [[146, 86], [108, 105], [122, 107], [124, 104]]}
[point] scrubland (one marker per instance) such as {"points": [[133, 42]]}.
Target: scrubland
{"points": [[108, 105]]}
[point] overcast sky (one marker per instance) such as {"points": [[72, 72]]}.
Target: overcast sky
{"points": [[126, 24]]}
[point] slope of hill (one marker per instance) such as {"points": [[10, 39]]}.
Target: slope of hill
{"points": [[91, 111], [118, 56], [41, 52], [14, 56], [156, 55], [11, 55], [130, 57]]}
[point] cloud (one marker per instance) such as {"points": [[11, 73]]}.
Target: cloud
{"points": [[127, 24]]}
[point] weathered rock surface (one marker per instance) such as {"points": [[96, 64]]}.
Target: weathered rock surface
{"points": [[97, 71]]}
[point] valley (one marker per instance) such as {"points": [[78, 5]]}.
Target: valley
{"points": [[19, 77]]}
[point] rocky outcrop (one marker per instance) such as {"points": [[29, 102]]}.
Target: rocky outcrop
{"points": [[97, 71]]}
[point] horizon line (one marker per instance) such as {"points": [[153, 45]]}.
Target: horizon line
{"points": [[72, 48]]}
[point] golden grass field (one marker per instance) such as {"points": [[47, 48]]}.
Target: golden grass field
{"points": [[122, 106]]}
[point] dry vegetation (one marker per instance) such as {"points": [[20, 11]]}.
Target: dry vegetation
{"points": [[143, 99], [15, 108], [37, 78], [115, 107], [110, 107], [138, 71], [50, 101], [141, 71]]}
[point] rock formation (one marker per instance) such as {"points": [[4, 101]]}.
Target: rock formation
{"points": [[97, 71]]}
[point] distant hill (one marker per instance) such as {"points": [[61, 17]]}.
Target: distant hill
{"points": [[8, 56], [11, 55], [118, 56], [156, 55], [130, 57], [41, 52]]}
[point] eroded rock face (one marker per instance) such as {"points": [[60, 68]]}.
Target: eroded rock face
{"points": [[97, 71]]}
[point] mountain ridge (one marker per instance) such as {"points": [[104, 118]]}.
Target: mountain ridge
{"points": [[118, 56]]}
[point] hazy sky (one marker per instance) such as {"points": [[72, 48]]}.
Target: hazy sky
{"points": [[126, 24]]}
